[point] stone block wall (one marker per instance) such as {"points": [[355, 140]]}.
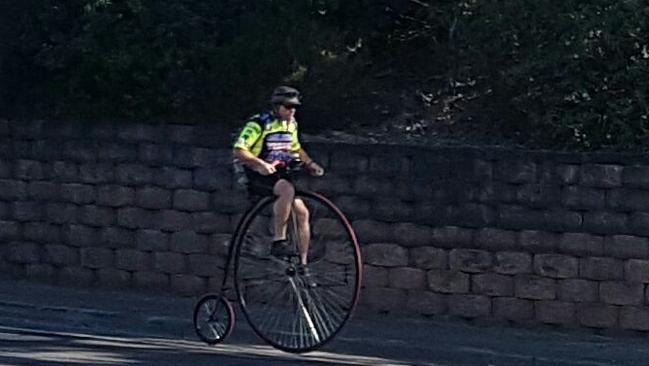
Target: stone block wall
{"points": [[521, 236], [113, 205]]}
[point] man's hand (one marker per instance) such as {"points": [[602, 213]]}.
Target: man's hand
{"points": [[315, 169], [265, 168]]}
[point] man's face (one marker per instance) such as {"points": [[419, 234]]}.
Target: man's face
{"points": [[286, 112]]}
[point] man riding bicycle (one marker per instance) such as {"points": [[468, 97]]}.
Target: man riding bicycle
{"points": [[292, 306], [269, 140]]}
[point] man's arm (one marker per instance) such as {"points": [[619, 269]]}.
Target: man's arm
{"points": [[306, 159], [253, 162], [249, 136], [313, 167]]}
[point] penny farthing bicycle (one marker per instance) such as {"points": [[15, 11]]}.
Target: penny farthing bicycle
{"points": [[288, 310]]}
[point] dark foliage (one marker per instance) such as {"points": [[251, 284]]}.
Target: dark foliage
{"points": [[568, 74]]}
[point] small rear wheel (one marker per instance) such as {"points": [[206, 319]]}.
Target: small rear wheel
{"points": [[213, 318]]}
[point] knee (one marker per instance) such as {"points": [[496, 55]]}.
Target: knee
{"points": [[301, 211], [284, 189]]}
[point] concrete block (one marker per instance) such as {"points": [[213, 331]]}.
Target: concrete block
{"points": [[133, 260], [113, 278], [601, 175], [375, 276], [210, 222], [97, 215], [598, 315], [115, 196], [512, 263], [173, 178], [96, 173], [172, 263], [412, 235], [188, 242], [601, 268], [205, 265], [188, 285], [116, 237], [446, 281], [23, 252], [555, 312], [469, 306], [495, 239], [76, 276], [407, 278], [636, 270], [556, 266], [172, 221], [581, 244], [95, 258], [151, 281], [514, 309], [153, 198], [535, 287], [61, 255], [634, 318], [470, 260], [79, 235], [136, 218], [583, 198], [428, 258], [621, 293], [452, 237], [386, 255], [492, 284], [578, 290], [191, 200], [384, 300], [626, 247], [426, 303]]}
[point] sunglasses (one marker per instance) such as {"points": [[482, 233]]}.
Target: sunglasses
{"points": [[290, 106]]}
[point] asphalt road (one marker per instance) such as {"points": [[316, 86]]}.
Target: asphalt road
{"points": [[42, 325]]}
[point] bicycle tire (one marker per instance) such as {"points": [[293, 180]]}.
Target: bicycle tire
{"points": [[213, 318], [277, 302]]}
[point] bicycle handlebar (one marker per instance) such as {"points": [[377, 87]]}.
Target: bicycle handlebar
{"points": [[294, 165]]}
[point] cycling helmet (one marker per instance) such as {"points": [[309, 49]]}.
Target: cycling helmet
{"points": [[285, 95]]}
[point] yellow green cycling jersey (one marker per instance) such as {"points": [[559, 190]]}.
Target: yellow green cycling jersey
{"points": [[269, 138]]}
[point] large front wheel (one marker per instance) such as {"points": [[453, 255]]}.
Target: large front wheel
{"points": [[291, 310]]}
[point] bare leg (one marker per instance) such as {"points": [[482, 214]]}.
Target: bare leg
{"points": [[282, 207], [304, 229]]}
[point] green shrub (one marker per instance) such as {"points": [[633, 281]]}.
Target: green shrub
{"points": [[182, 59], [567, 74], [559, 74]]}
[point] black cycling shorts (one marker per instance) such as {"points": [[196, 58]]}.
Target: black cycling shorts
{"points": [[261, 185]]}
